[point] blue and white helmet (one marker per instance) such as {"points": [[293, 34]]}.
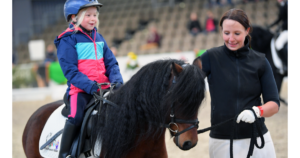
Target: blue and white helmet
{"points": [[73, 6]]}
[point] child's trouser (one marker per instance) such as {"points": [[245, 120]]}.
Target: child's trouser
{"points": [[78, 102]]}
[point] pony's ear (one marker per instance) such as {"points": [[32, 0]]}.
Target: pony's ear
{"points": [[198, 63], [176, 69]]}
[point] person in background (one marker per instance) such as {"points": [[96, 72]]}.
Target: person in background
{"points": [[194, 26], [153, 39], [114, 50], [211, 24], [41, 70], [50, 54], [50, 57], [237, 76], [85, 60], [282, 15]]}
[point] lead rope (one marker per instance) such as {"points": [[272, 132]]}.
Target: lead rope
{"points": [[256, 126]]}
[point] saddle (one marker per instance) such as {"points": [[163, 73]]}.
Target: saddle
{"points": [[82, 143]]}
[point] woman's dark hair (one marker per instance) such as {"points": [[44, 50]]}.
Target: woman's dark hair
{"points": [[239, 16]]}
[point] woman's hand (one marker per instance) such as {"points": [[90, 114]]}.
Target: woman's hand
{"points": [[248, 116]]}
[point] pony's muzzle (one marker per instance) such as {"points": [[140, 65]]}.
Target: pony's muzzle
{"points": [[187, 145]]}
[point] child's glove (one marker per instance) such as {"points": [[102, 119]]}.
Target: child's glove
{"points": [[94, 88], [117, 85], [248, 116]]}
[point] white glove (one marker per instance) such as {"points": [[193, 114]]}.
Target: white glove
{"points": [[248, 116]]}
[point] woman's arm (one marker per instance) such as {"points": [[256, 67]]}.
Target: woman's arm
{"points": [[269, 92], [269, 109], [270, 97], [204, 58]]}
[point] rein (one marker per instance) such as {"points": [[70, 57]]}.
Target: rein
{"points": [[256, 129]]}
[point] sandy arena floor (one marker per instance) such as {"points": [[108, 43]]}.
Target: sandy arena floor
{"points": [[277, 126]]}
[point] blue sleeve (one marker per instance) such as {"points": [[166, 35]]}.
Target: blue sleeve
{"points": [[111, 66], [68, 60], [205, 63], [268, 85]]}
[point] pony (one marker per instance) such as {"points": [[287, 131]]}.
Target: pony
{"points": [[261, 42], [162, 94]]}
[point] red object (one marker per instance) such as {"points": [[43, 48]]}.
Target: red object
{"points": [[261, 110]]}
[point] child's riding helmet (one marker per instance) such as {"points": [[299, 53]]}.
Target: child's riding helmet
{"points": [[73, 6]]}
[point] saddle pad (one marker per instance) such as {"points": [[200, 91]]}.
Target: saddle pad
{"points": [[55, 123]]}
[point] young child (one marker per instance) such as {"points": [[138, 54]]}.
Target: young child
{"points": [[85, 60]]}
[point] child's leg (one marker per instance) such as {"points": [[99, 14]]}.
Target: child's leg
{"points": [[77, 103]]}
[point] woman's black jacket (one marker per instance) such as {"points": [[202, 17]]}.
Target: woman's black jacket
{"points": [[236, 81]]}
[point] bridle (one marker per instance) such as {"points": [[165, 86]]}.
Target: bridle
{"points": [[175, 120]]}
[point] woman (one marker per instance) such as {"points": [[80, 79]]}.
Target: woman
{"points": [[237, 76]]}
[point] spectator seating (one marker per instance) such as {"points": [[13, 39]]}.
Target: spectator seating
{"points": [[127, 21]]}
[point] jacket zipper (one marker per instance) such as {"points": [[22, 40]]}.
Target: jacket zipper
{"points": [[95, 46], [238, 86]]}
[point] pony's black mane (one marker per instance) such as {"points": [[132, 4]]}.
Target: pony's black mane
{"points": [[144, 103]]}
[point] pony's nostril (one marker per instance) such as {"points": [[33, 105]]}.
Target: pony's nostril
{"points": [[187, 145]]}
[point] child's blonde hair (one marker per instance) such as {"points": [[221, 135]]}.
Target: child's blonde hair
{"points": [[80, 17]]}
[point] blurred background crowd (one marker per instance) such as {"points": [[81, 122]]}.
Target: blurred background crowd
{"points": [[139, 26]]}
